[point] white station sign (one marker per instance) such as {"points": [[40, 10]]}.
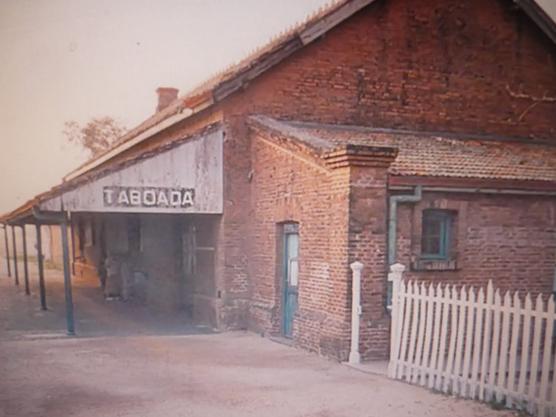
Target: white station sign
{"points": [[148, 197], [187, 178]]}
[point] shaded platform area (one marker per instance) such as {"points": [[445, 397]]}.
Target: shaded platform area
{"points": [[22, 317], [125, 361]]}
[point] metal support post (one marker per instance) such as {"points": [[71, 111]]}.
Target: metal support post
{"points": [[25, 265], [15, 256], [72, 247], [42, 288], [61, 219], [7, 246], [67, 279]]}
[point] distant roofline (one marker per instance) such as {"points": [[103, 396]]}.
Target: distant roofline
{"points": [[541, 15]]}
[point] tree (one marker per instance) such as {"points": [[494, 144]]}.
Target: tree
{"points": [[95, 136]]}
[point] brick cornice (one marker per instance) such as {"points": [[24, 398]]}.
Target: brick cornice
{"points": [[360, 155]]}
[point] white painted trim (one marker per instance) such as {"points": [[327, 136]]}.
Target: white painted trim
{"points": [[354, 356]]}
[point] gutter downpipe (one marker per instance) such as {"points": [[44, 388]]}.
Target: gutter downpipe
{"points": [[393, 201]]}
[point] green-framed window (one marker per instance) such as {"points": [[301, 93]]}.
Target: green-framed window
{"points": [[436, 234]]}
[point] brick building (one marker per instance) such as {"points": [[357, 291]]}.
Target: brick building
{"points": [[420, 132]]}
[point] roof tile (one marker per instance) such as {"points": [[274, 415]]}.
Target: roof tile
{"points": [[422, 154]]}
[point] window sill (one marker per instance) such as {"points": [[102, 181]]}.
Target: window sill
{"points": [[434, 265]]}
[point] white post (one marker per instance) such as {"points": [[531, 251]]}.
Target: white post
{"points": [[395, 277], [354, 356]]}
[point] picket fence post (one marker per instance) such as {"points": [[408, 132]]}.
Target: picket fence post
{"points": [[395, 277], [485, 346], [354, 356]]}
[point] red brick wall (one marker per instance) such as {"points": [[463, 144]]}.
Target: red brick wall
{"points": [[509, 239], [285, 188], [341, 215], [437, 65], [231, 259], [427, 65]]}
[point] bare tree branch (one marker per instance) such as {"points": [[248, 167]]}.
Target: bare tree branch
{"points": [[95, 136]]}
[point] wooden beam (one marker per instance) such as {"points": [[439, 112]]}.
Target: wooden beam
{"points": [[238, 82], [321, 26]]}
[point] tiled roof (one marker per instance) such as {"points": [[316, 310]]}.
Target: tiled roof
{"points": [[430, 155]]}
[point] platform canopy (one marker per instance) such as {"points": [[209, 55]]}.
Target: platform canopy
{"points": [[185, 177]]}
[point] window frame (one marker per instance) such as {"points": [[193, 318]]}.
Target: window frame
{"points": [[445, 234]]}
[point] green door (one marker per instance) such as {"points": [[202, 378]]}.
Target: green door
{"points": [[291, 252]]}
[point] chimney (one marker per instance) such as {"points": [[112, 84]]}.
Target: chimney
{"points": [[165, 96]]}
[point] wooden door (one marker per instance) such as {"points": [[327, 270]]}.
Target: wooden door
{"points": [[291, 272]]}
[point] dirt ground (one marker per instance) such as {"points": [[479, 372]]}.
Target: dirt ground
{"points": [[127, 362]]}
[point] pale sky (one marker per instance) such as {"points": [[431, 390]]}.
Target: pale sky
{"points": [[77, 59]]}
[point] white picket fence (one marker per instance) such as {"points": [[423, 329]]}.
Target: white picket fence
{"points": [[474, 344]]}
